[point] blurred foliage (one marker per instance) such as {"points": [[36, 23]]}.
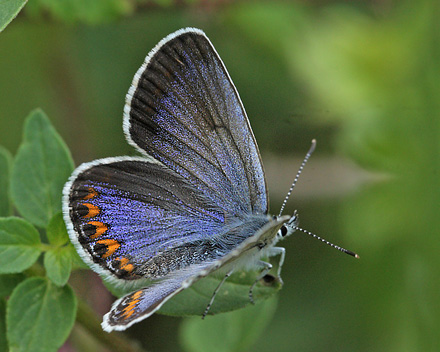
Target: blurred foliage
{"points": [[361, 77], [86, 11], [239, 329]]}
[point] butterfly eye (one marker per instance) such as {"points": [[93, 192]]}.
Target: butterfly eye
{"points": [[283, 231]]}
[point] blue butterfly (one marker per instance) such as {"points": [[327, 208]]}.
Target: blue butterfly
{"points": [[194, 203]]}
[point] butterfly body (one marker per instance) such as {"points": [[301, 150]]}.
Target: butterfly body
{"points": [[193, 204]]}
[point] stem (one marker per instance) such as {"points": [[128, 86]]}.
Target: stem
{"points": [[115, 341]]}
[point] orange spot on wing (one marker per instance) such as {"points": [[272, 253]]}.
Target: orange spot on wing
{"points": [[93, 210], [124, 264], [112, 246], [100, 228], [123, 260], [92, 193], [128, 267], [129, 309]]}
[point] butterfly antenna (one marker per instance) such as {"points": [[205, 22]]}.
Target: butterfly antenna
{"points": [[309, 153], [328, 243]]}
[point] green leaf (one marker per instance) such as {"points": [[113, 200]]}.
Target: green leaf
{"points": [[77, 262], [41, 167], [5, 170], [40, 315], [8, 283], [19, 245], [59, 259], [9, 9], [56, 231], [234, 294], [239, 329], [58, 264]]}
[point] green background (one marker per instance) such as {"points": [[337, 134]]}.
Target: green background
{"points": [[363, 78]]}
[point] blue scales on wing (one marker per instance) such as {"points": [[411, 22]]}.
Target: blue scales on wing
{"points": [[184, 110], [127, 211]]}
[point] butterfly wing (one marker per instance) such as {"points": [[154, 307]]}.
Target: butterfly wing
{"points": [[142, 303], [127, 215], [184, 110]]}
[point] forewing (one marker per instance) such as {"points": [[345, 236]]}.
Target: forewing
{"points": [[123, 212], [184, 110]]}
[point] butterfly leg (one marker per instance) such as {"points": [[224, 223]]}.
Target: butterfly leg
{"points": [[266, 267], [282, 253], [208, 307]]}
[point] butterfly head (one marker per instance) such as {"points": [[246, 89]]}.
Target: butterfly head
{"points": [[289, 227]]}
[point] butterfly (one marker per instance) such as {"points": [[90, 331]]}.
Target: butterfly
{"points": [[194, 203]]}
